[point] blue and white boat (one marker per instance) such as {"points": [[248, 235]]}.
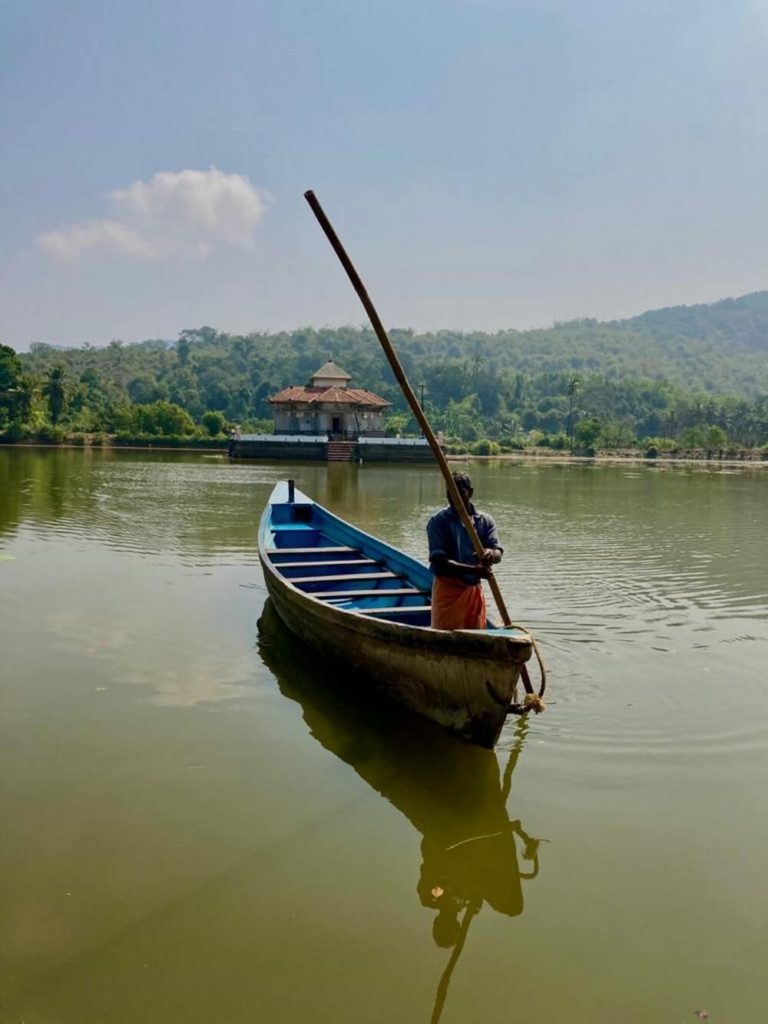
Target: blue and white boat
{"points": [[367, 605]]}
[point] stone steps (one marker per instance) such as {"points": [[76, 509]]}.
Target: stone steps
{"points": [[341, 451]]}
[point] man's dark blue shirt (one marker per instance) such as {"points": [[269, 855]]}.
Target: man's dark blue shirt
{"points": [[447, 537]]}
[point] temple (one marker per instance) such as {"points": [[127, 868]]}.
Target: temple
{"points": [[328, 405], [328, 420]]}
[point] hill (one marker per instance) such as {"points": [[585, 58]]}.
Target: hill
{"points": [[720, 348]]}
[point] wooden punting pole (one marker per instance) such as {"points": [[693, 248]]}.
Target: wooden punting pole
{"points": [[534, 700]]}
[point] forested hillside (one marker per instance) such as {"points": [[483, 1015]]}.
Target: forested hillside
{"points": [[693, 375]]}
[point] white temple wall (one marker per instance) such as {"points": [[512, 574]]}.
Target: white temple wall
{"points": [[319, 420]]}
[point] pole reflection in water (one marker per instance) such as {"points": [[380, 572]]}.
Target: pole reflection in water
{"points": [[452, 792]]}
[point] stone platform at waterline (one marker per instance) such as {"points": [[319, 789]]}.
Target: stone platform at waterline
{"points": [[318, 448]]}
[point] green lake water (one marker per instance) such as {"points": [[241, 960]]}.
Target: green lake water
{"points": [[201, 823]]}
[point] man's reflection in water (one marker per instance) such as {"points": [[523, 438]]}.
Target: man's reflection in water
{"points": [[451, 792], [458, 877], [453, 878], [467, 868]]}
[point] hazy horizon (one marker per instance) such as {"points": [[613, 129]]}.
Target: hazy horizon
{"points": [[356, 326]]}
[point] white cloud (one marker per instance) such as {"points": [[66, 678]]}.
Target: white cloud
{"points": [[173, 214], [70, 243]]}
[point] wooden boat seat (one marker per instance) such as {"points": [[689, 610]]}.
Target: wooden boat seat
{"points": [[351, 595], [343, 577], [410, 609], [313, 565], [311, 551]]}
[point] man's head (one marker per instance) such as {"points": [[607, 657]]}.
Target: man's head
{"points": [[446, 927], [464, 485]]}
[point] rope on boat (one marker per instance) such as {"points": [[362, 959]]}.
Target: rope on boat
{"points": [[532, 701]]}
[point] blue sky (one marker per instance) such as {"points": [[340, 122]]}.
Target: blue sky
{"points": [[488, 164]]}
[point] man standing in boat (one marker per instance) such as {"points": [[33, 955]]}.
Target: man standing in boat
{"points": [[458, 601]]}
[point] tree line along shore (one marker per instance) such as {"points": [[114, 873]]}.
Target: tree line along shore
{"points": [[685, 382]]}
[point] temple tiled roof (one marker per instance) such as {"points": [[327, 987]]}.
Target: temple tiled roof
{"points": [[343, 396]]}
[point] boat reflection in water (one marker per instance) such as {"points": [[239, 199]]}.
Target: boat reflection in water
{"points": [[452, 792]]}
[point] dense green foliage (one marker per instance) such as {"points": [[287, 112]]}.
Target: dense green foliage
{"points": [[690, 376]]}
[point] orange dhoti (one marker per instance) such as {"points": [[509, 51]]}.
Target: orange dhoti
{"points": [[456, 605]]}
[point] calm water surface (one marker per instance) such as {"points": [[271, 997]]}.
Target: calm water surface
{"points": [[200, 823]]}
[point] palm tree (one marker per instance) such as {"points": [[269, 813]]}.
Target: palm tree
{"points": [[574, 386], [55, 390]]}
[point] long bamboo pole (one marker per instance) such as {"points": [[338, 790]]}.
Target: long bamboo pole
{"points": [[445, 980], [416, 409]]}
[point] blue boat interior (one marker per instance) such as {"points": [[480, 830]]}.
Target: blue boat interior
{"points": [[337, 563], [333, 561]]}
